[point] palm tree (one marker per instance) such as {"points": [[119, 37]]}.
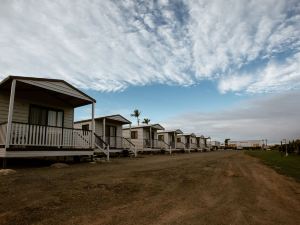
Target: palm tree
{"points": [[136, 113], [146, 121]]}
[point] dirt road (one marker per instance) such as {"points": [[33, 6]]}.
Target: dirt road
{"points": [[196, 188]]}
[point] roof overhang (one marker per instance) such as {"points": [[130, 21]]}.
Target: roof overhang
{"points": [[58, 88], [199, 136], [177, 131], [153, 126], [188, 134], [115, 118]]}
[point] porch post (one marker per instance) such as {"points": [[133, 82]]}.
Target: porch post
{"points": [[130, 132], [103, 134], [93, 124], [175, 140], [10, 113], [150, 137]]}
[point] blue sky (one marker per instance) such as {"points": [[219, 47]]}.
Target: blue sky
{"points": [[213, 67], [159, 102]]}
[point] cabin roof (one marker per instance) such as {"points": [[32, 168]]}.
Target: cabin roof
{"points": [[51, 85], [177, 131], [116, 117], [188, 134], [200, 136], [155, 126]]}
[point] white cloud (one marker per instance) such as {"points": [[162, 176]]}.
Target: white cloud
{"points": [[273, 118], [274, 77], [110, 45], [234, 83], [278, 76]]}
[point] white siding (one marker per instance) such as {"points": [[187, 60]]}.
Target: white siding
{"points": [[23, 100], [4, 102], [139, 143]]}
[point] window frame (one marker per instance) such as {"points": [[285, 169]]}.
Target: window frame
{"points": [[83, 127], [134, 136], [47, 109]]}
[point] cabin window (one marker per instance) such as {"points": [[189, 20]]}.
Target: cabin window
{"points": [[45, 116], [85, 127], [179, 139], [161, 137], [134, 135]]}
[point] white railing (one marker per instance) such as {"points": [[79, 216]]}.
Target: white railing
{"points": [[101, 146], [163, 145], [193, 146], [180, 145], [35, 135], [3, 128]]}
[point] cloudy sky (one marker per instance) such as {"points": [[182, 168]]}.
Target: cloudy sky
{"points": [[219, 68]]}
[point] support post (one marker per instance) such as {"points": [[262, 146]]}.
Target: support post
{"points": [[175, 140], [93, 124], [104, 125], [130, 132], [107, 156], [10, 113], [151, 144]]}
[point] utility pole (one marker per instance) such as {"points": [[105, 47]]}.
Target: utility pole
{"points": [[286, 152]]}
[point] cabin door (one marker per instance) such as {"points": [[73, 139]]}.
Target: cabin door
{"points": [[111, 136], [188, 141], [48, 124], [172, 141]]}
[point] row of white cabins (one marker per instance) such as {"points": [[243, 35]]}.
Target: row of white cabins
{"points": [[37, 120]]}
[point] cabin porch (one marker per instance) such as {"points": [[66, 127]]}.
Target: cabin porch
{"points": [[36, 119]]}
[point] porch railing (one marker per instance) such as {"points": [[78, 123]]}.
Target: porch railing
{"points": [[180, 145], [193, 145], [155, 143], [172, 144], [23, 134], [127, 143], [3, 128]]}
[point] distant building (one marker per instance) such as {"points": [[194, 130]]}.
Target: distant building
{"points": [[215, 145], [246, 144]]}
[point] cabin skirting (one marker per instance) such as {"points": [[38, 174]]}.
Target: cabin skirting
{"points": [[35, 153]]}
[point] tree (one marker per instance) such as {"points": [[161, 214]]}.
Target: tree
{"points": [[146, 121], [136, 113]]}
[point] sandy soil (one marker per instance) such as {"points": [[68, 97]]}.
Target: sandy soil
{"points": [[196, 188]]}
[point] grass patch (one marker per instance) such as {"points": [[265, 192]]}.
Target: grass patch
{"points": [[289, 166]]}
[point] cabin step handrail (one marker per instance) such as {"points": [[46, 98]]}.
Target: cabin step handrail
{"points": [[153, 143], [101, 146], [168, 145], [181, 145], [132, 147]]}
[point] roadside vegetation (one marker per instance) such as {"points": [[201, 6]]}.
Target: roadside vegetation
{"points": [[289, 165]]}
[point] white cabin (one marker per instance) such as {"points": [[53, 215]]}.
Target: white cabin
{"points": [[169, 137], [144, 137], [109, 129], [36, 118], [200, 142], [187, 141]]}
